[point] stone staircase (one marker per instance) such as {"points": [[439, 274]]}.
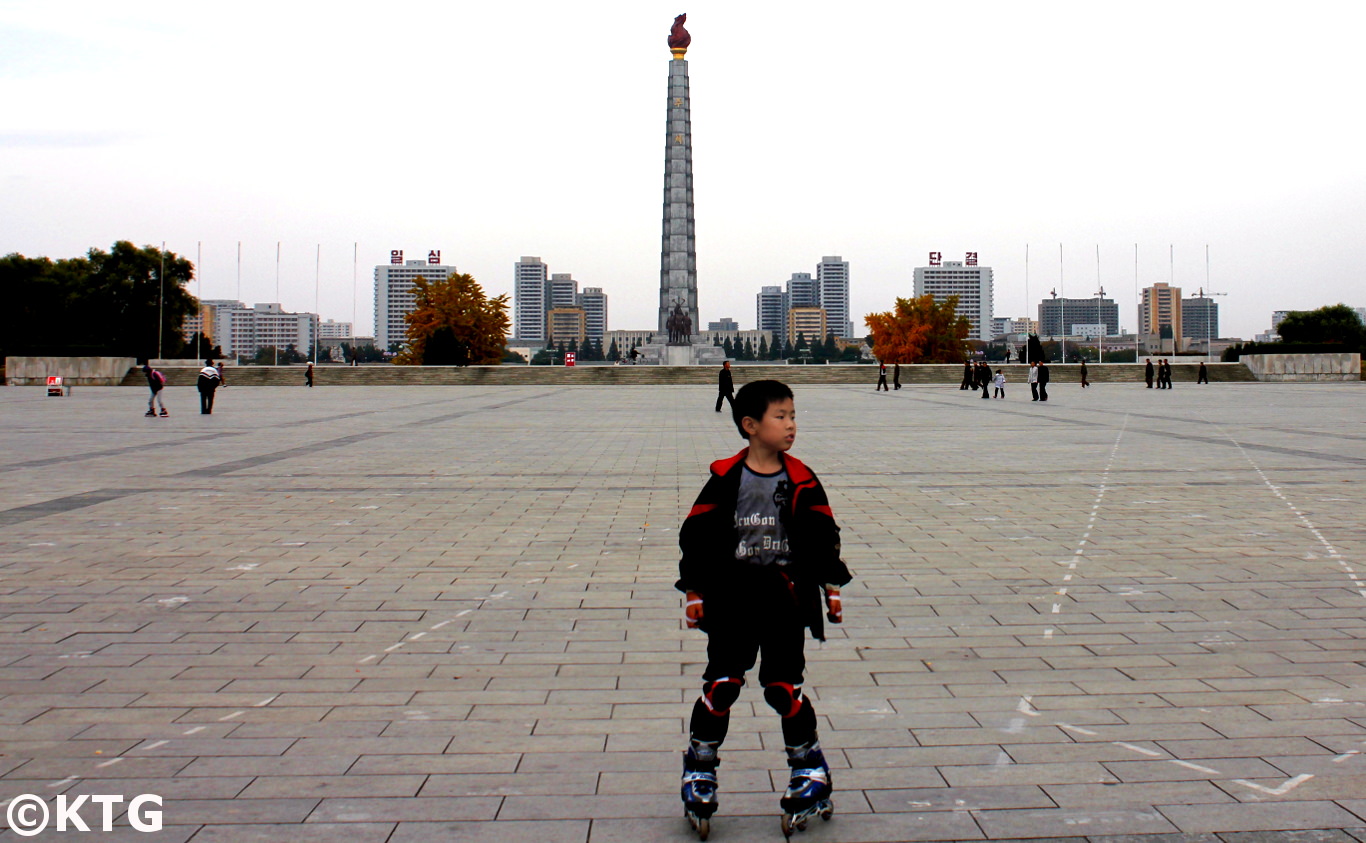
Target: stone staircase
{"points": [[849, 374]]}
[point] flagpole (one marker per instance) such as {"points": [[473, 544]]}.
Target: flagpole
{"points": [[1062, 308], [276, 342], [161, 298], [199, 280], [317, 283], [1029, 323]]}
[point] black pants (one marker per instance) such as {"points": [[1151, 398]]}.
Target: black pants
{"points": [[206, 402], [1043, 392], [881, 383], [724, 396], [1034, 391], [732, 649]]}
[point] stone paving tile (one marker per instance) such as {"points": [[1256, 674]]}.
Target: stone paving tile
{"points": [[414, 604], [1277, 816], [1092, 820]]}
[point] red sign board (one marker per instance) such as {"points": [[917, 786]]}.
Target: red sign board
{"points": [[569, 358], [971, 259], [936, 258], [434, 256], [395, 256]]}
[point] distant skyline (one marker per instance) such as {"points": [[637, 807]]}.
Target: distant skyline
{"points": [[878, 134]]}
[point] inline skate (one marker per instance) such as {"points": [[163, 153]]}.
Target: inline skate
{"points": [[699, 785], [809, 789]]}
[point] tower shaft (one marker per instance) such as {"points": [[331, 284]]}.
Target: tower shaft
{"points": [[678, 252]]}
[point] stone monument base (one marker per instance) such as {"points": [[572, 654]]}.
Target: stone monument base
{"points": [[682, 355]]}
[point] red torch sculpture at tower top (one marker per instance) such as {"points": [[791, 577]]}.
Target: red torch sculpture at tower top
{"points": [[679, 39]]}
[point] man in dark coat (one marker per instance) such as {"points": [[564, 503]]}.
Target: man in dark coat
{"points": [[725, 387], [896, 375], [881, 377], [1148, 373], [1043, 381], [984, 380], [967, 375], [1202, 376]]}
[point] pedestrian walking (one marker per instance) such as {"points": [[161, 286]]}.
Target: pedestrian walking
{"points": [[1000, 383], [1148, 373], [308, 375], [156, 381], [725, 387], [1202, 376], [1084, 382], [896, 375], [1043, 381], [208, 383], [1165, 373], [984, 380], [1034, 381], [881, 377], [967, 375]]}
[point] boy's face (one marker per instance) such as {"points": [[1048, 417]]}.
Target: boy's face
{"points": [[777, 430]]}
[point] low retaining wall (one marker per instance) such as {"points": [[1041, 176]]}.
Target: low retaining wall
{"points": [[81, 371], [865, 375], [1304, 367]]}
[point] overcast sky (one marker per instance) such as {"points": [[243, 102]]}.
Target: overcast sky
{"points": [[879, 132]]}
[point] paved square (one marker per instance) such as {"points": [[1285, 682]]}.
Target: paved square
{"points": [[421, 613]]}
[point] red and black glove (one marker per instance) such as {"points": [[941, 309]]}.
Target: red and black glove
{"points": [[692, 609], [834, 609]]}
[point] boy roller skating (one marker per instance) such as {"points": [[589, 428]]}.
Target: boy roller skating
{"points": [[759, 547]]}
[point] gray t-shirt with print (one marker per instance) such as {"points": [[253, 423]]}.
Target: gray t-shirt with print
{"points": [[763, 539]]}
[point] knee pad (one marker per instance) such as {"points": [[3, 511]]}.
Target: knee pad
{"points": [[784, 698], [720, 695]]}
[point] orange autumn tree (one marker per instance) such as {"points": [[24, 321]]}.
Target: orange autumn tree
{"points": [[919, 330], [453, 323]]}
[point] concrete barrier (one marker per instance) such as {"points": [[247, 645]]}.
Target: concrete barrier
{"points": [[79, 371], [1304, 367]]}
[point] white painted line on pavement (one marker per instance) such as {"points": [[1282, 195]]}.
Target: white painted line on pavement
{"points": [[1289, 785]]}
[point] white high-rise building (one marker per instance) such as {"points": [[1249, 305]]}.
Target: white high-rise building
{"points": [[529, 291], [802, 291], [562, 291], [594, 303], [832, 287], [394, 293], [971, 284], [330, 330], [770, 307], [241, 331]]}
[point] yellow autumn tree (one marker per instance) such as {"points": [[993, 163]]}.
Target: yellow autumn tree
{"points": [[453, 323], [919, 330]]}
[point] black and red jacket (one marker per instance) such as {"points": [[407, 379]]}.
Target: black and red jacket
{"points": [[709, 538]]}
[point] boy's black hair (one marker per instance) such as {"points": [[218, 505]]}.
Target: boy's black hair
{"points": [[753, 400]]}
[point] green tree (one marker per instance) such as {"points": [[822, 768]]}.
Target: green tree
{"points": [[1335, 324], [749, 349], [831, 347], [453, 323], [114, 302], [762, 353], [614, 353], [726, 347]]}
